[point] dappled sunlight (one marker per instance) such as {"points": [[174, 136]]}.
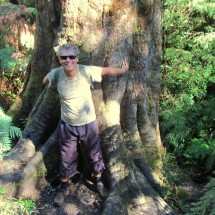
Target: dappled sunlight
{"points": [[117, 169], [95, 27], [112, 113], [27, 37]]}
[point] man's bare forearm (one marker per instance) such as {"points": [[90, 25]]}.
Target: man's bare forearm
{"points": [[115, 71], [45, 80]]}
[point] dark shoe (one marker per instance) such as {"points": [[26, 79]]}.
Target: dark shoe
{"points": [[55, 183], [78, 179], [61, 195], [100, 187]]}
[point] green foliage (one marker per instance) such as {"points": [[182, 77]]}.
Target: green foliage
{"points": [[10, 60], [7, 61], [31, 19], [11, 206], [187, 103], [206, 204], [3, 1], [13, 69], [33, 10], [170, 167], [7, 132], [14, 58], [201, 151]]}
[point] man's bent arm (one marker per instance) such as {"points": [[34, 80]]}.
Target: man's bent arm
{"points": [[115, 71]]}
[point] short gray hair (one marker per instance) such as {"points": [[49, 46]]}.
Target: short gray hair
{"points": [[67, 46]]}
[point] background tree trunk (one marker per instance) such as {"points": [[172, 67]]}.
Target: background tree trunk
{"points": [[107, 33]]}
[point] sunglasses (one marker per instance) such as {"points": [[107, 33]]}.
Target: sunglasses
{"points": [[71, 57]]}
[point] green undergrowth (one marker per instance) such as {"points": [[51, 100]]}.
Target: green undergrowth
{"points": [[183, 193], [187, 103], [206, 204], [188, 82], [12, 206], [8, 132]]}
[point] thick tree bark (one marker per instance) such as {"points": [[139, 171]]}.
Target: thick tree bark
{"points": [[107, 33], [41, 61]]}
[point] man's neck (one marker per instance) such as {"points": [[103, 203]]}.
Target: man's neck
{"points": [[71, 74]]}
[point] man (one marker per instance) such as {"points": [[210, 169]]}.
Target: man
{"points": [[78, 118]]}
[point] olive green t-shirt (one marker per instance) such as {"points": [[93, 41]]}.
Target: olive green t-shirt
{"points": [[77, 106]]}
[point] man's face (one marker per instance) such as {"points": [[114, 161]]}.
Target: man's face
{"points": [[68, 60]]}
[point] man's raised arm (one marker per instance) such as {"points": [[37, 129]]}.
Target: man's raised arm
{"points": [[115, 71]]}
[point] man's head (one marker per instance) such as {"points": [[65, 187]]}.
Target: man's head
{"points": [[68, 57], [67, 47]]}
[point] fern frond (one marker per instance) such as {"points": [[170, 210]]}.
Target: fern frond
{"points": [[4, 139], [206, 204], [7, 131], [15, 132], [203, 150]]}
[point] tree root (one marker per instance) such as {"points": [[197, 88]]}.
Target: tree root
{"points": [[129, 188], [19, 171]]}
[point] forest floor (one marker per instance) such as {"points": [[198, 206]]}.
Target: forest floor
{"points": [[83, 199]]}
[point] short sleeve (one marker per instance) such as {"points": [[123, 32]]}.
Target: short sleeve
{"points": [[51, 75], [94, 72]]}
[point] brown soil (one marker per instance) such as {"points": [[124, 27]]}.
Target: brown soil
{"points": [[82, 200]]}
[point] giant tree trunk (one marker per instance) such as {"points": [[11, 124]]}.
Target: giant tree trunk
{"points": [[107, 33]]}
